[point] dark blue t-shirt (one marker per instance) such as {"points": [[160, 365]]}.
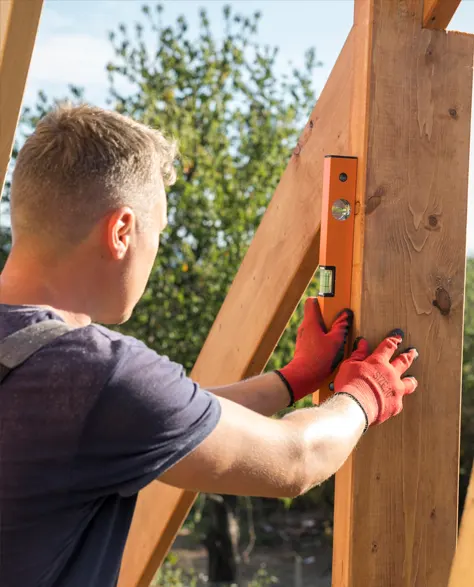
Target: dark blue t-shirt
{"points": [[85, 423]]}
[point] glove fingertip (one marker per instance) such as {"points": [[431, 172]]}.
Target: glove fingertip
{"points": [[356, 343], [410, 349], [313, 308], [347, 312], [344, 318], [396, 332], [411, 383], [310, 300], [361, 349]]}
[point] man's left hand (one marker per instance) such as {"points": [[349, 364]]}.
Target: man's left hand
{"points": [[318, 350]]}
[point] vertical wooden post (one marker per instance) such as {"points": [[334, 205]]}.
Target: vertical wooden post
{"points": [[396, 498], [19, 20]]}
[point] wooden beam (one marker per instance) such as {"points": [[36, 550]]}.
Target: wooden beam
{"points": [[462, 570], [437, 14], [396, 497], [274, 275], [19, 20]]}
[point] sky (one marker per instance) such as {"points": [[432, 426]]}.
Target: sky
{"points": [[72, 44]]}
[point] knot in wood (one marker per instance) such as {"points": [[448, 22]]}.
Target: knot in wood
{"points": [[442, 301], [297, 149]]}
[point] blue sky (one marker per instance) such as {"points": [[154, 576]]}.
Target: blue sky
{"points": [[72, 44]]}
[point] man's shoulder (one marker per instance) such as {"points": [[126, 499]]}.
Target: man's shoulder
{"points": [[132, 356], [97, 343], [112, 337], [93, 337], [92, 352]]}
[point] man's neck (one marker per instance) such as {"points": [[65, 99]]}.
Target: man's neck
{"points": [[24, 282]]}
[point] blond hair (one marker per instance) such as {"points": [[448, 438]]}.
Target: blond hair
{"points": [[82, 162]]}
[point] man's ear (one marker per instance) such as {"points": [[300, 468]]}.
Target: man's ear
{"points": [[120, 226]]}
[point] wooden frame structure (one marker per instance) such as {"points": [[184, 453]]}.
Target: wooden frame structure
{"points": [[398, 99]]}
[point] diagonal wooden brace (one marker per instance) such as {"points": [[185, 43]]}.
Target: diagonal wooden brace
{"points": [[437, 14], [19, 20]]}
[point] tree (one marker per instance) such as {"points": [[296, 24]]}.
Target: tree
{"points": [[467, 414], [237, 121]]}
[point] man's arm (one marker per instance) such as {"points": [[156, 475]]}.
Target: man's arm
{"points": [[264, 394], [249, 454]]}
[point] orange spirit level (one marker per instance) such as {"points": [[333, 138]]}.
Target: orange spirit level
{"points": [[337, 239]]}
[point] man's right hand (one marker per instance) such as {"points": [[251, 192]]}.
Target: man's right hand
{"points": [[376, 382]]}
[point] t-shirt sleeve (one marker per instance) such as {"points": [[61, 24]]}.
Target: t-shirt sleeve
{"points": [[149, 416]]}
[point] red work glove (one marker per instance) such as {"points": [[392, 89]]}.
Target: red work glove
{"points": [[374, 381], [318, 352]]}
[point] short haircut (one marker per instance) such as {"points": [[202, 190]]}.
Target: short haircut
{"points": [[82, 162]]}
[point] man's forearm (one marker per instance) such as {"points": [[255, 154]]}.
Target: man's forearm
{"points": [[264, 394], [248, 454], [331, 433]]}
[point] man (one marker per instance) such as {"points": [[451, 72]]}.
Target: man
{"points": [[92, 416]]}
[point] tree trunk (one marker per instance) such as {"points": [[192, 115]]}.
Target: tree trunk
{"points": [[222, 540]]}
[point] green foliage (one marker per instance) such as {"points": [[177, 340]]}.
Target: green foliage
{"points": [[236, 122], [467, 414], [263, 579], [171, 575]]}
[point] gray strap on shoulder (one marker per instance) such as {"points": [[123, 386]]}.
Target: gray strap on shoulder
{"points": [[16, 348]]}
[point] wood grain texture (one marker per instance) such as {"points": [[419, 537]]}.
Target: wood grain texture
{"points": [[401, 484], [19, 20], [437, 14], [274, 275], [462, 571]]}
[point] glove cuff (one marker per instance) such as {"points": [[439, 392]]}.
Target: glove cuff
{"points": [[360, 406], [365, 398], [299, 380], [288, 387]]}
